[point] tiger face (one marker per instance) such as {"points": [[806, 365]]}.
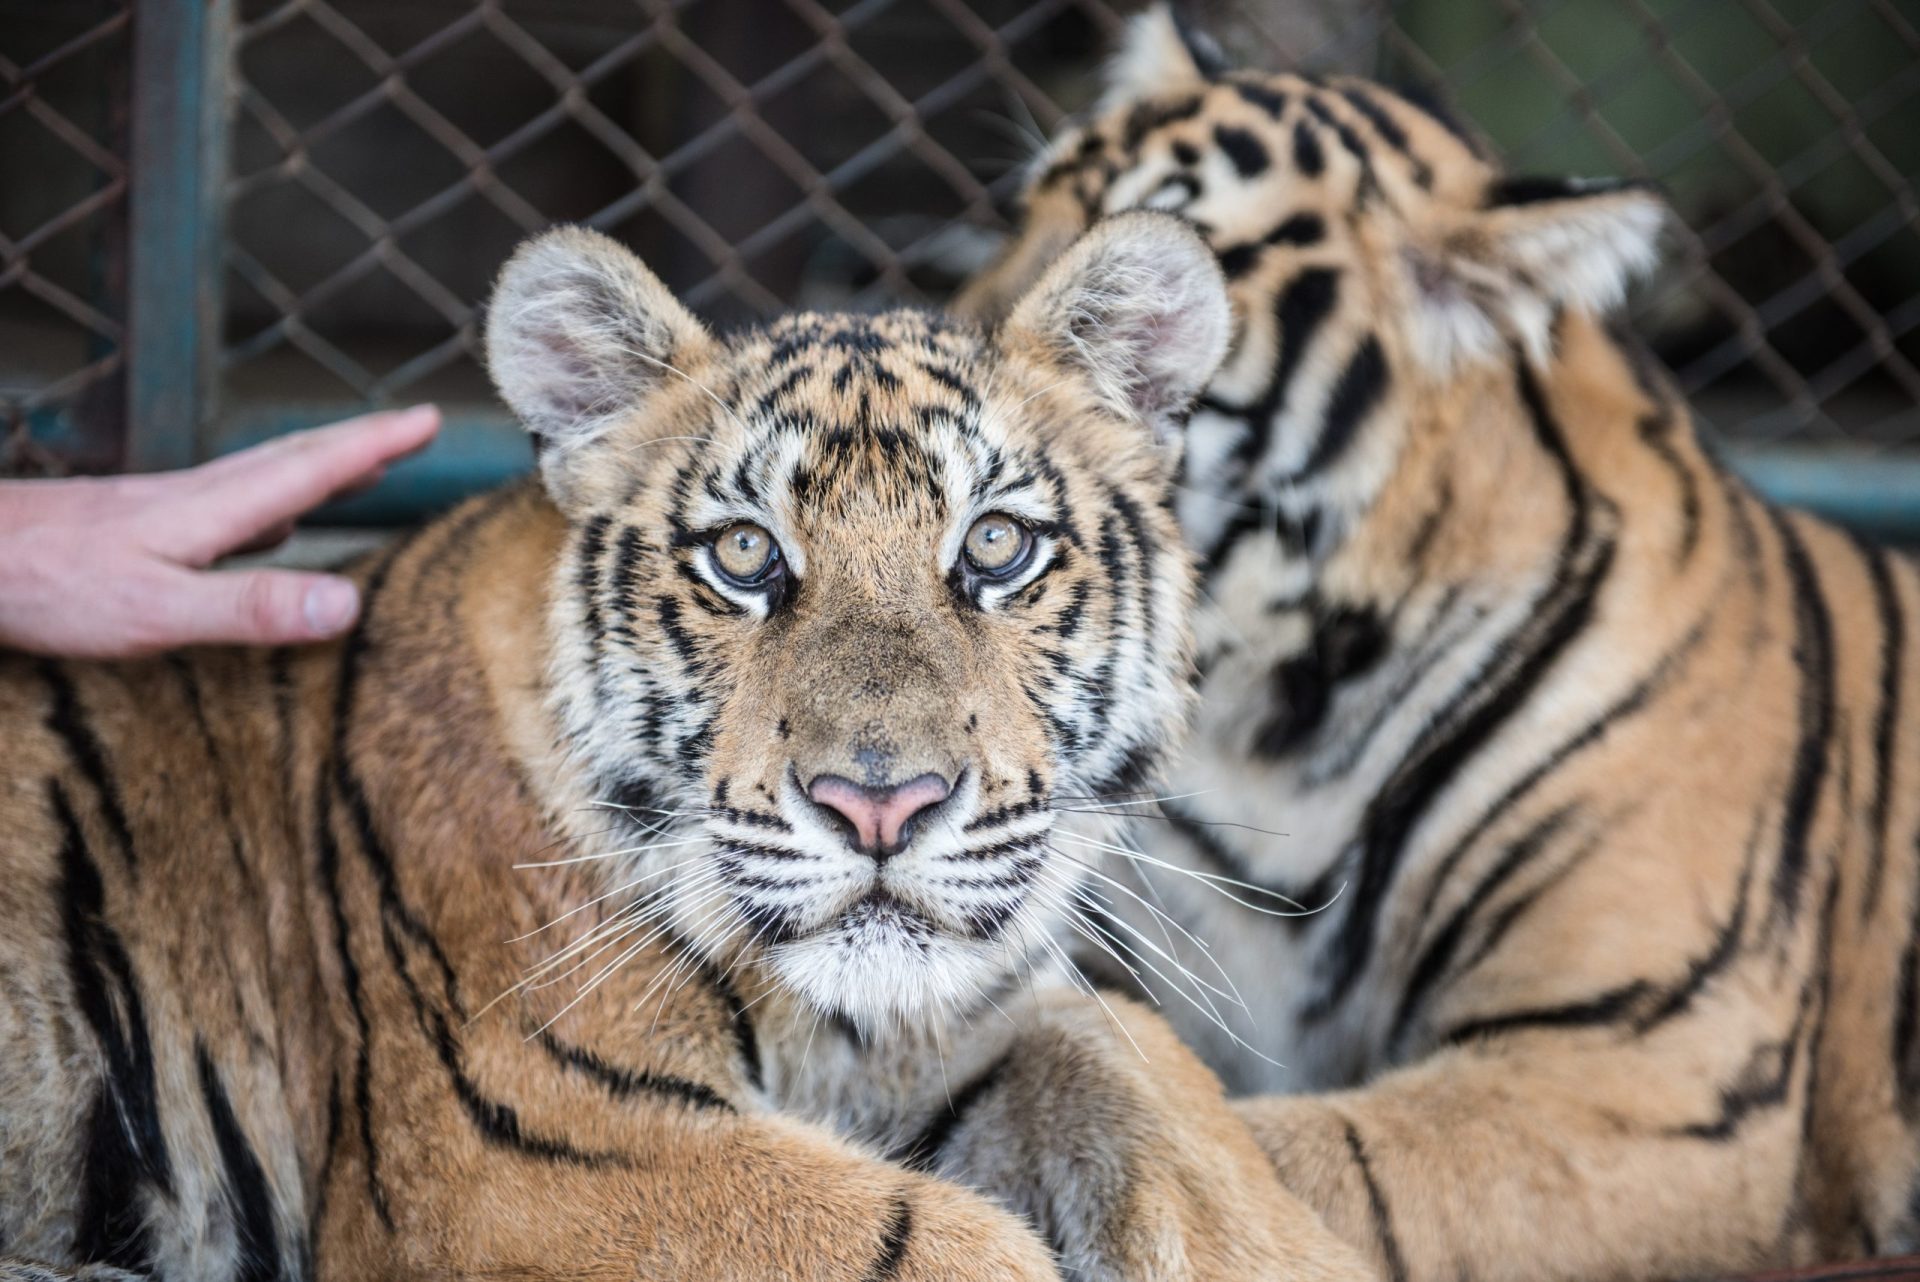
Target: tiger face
{"points": [[1381, 271], [852, 602]]}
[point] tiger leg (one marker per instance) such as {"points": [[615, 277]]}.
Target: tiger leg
{"points": [[1105, 1131], [714, 1199], [1554, 1162]]}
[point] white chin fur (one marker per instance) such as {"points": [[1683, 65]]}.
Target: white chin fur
{"points": [[883, 974]]}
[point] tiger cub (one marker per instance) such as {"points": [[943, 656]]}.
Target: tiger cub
{"points": [[1595, 779], [485, 942]]}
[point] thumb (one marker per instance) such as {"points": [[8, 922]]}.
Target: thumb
{"points": [[258, 607]]}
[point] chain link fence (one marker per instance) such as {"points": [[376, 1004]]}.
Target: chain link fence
{"points": [[63, 201], [377, 160]]}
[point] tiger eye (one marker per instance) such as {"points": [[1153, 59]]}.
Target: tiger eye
{"points": [[743, 552], [996, 543]]}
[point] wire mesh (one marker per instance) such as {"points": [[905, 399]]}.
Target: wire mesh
{"points": [[386, 155], [757, 156], [62, 231], [797, 151]]}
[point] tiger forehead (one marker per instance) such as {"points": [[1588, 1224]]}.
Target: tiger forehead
{"points": [[861, 412], [1262, 121], [826, 364]]}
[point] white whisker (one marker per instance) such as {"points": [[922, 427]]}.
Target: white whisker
{"points": [[1214, 881]]}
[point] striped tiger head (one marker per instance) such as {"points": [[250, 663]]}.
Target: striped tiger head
{"points": [[851, 603], [1382, 272]]}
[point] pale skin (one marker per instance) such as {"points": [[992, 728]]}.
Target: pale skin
{"points": [[117, 567]]}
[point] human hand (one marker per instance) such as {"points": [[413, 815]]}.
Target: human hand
{"points": [[113, 567]]}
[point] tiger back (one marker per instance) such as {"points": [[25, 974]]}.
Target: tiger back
{"points": [[1569, 792]]}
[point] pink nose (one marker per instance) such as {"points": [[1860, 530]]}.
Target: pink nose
{"points": [[882, 818]]}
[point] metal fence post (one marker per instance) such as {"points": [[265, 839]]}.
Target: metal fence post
{"points": [[178, 171]]}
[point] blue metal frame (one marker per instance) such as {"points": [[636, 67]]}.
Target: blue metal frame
{"points": [[1876, 493], [175, 214]]}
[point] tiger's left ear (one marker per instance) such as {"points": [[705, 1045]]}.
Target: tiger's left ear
{"points": [[1137, 309], [1536, 247], [1159, 54]]}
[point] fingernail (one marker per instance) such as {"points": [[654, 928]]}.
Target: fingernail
{"points": [[330, 606], [420, 413]]}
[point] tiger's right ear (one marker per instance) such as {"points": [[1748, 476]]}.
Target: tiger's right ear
{"points": [[1159, 54], [579, 335]]}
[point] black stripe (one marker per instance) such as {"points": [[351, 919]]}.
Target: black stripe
{"points": [[1430, 525], [1361, 385], [923, 1152], [1426, 99], [1886, 718], [1813, 656], [280, 682], [1629, 704], [1532, 189], [1810, 1093], [1639, 1001], [1243, 148], [327, 851], [1656, 434], [586, 577], [1268, 99], [1608, 1007], [1137, 590], [327, 855], [1308, 157], [625, 1083], [223, 790], [323, 1182], [1444, 629], [1377, 1203], [1445, 942], [893, 1242], [68, 719], [1299, 310], [625, 581], [125, 1157], [1517, 908], [1658, 428], [1906, 1016], [1390, 132], [1513, 673], [1348, 139], [746, 1043], [498, 1122], [1762, 1083], [353, 797], [1720, 953], [1345, 642], [1149, 117], [248, 1197], [1766, 1080]]}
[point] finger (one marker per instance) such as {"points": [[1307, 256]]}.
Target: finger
{"points": [[222, 504], [255, 607], [359, 485], [265, 540]]}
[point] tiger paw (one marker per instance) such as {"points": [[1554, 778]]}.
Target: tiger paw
{"points": [[949, 1234], [1118, 1145]]}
